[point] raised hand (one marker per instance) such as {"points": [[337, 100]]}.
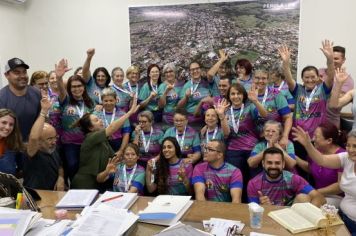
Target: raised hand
{"points": [[252, 94], [284, 53], [153, 94], [221, 107], [341, 75], [169, 87], [151, 165], [223, 55], [181, 172], [111, 166], [300, 135], [264, 200], [327, 49], [91, 52], [138, 129], [45, 103], [188, 93], [282, 144], [61, 68]]}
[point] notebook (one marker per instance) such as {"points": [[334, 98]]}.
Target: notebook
{"points": [[118, 200], [165, 210], [77, 198]]}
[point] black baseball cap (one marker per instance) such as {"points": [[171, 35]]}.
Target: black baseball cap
{"points": [[13, 63]]}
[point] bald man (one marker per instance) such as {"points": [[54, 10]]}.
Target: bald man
{"points": [[43, 165]]}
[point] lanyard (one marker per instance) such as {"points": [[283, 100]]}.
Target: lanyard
{"points": [[192, 88], [309, 98], [236, 125], [120, 89], [207, 134], [281, 86], [131, 89], [128, 183], [265, 97], [112, 117], [154, 87], [146, 145], [80, 110], [181, 141]]}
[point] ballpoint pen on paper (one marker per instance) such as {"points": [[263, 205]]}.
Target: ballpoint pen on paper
{"points": [[112, 198]]}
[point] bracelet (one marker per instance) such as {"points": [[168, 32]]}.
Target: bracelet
{"points": [[44, 115]]}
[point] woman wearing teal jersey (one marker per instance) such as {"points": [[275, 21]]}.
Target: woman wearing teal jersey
{"points": [[148, 95], [168, 93]]}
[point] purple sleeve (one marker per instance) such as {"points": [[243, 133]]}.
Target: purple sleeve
{"points": [[300, 185], [198, 175], [236, 179], [252, 192], [189, 170]]}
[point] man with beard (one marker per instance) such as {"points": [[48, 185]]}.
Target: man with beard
{"points": [[275, 186], [43, 165], [19, 97]]}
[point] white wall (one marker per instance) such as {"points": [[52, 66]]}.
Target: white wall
{"points": [[12, 35], [42, 31]]}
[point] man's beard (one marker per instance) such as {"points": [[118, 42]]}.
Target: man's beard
{"points": [[274, 175]]}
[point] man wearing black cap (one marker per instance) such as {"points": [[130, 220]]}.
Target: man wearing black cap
{"points": [[18, 96]]}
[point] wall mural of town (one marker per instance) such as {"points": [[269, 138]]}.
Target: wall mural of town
{"points": [[182, 33]]}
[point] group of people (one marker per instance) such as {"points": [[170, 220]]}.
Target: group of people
{"points": [[220, 136]]}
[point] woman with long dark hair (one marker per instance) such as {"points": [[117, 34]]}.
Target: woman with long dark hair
{"points": [[11, 159], [170, 175]]}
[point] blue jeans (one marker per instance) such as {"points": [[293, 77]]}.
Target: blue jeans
{"points": [[71, 159], [350, 224]]}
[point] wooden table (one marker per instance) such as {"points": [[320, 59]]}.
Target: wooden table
{"points": [[200, 210]]}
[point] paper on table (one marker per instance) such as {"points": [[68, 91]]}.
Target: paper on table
{"points": [[221, 226], [77, 198], [123, 202], [46, 227], [180, 229], [259, 234], [103, 220]]}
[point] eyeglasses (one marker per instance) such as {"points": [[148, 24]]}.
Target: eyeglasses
{"points": [[208, 149], [168, 71], [142, 121]]}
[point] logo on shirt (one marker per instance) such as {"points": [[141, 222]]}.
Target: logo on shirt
{"points": [[70, 111]]}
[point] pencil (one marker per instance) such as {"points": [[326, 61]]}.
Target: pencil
{"points": [[112, 198]]}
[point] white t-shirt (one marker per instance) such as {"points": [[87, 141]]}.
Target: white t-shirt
{"points": [[348, 185]]}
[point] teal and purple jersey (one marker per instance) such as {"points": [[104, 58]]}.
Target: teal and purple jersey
{"points": [[261, 146], [144, 93], [123, 98], [137, 181], [218, 181], [210, 135], [198, 92], [247, 136], [280, 192], [245, 83], [94, 91], [70, 115], [309, 118], [191, 141], [153, 141], [175, 183], [54, 112], [276, 106], [284, 90], [172, 100], [109, 117]]}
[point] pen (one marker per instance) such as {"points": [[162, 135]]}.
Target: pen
{"points": [[112, 198]]}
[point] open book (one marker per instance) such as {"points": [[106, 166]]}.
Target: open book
{"points": [[165, 209], [117, 199], [77, 198], [302, 217], [17, 222]]}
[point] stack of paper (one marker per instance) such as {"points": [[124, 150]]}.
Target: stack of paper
{"points": [[16, 222], [77, 198], [180, 229], [220, 227], [117, 199], [165, 209], [103, 220], [48, 227]]}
